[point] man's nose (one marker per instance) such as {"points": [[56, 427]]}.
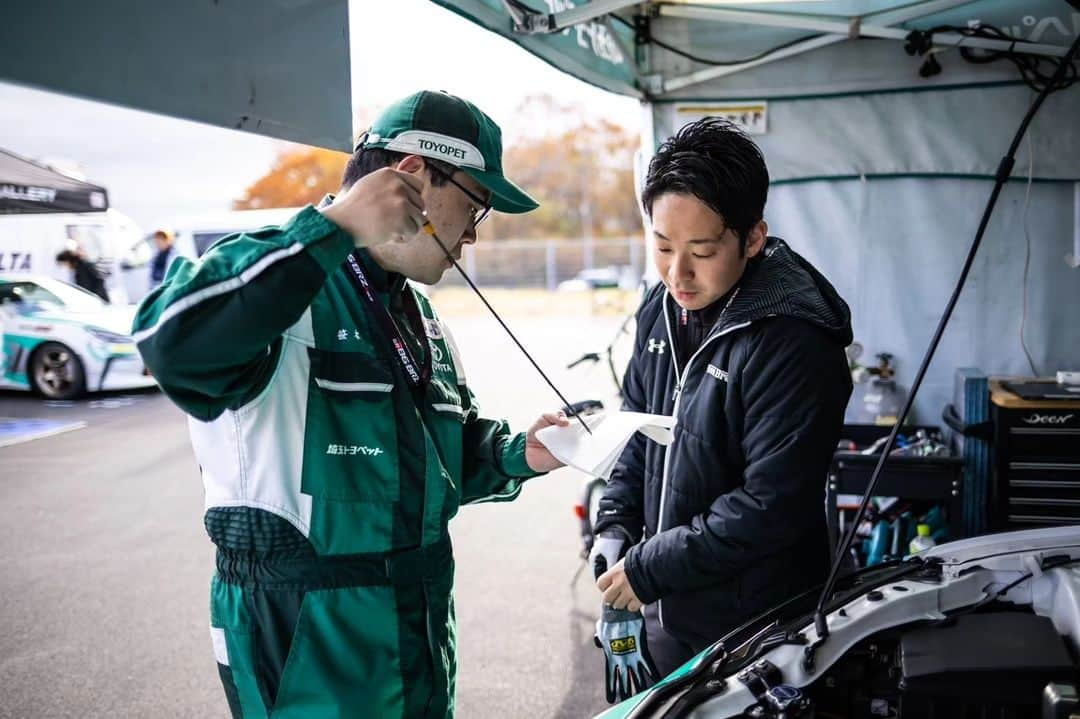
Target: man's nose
{"points": [[469, 236], [680, 267]]}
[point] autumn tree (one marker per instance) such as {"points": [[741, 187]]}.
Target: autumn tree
{"points": [[300, 176], [580, 169]]}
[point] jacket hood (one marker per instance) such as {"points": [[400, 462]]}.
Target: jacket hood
{"points": [[779, 282]]}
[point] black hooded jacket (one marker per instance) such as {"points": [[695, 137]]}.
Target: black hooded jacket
{"points": [[729, 519]]}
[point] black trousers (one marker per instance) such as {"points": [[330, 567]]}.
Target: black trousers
{"points": [[668, 653]]}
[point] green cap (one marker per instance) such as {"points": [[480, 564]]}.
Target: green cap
{"points": [[444, 127], [923, 530]]}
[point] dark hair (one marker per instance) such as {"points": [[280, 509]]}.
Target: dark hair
{"points": [[715, 161], [68, 256], [364, 161]]}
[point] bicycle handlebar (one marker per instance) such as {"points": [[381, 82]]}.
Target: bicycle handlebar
{"points": [[587, 357]]}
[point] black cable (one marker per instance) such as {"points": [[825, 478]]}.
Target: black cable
{"points": [[429, 229], [1037, 71], [1053, 564], [715, 63], [1029, 65], [1003, 172], [1027, 259]]}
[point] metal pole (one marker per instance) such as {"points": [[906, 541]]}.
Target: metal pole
{"points": [[550, 271]]}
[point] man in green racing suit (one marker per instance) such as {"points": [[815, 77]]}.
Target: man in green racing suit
{"points": [[333, 426]]}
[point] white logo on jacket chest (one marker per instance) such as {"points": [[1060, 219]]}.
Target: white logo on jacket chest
{"points": [[714, 371], [353, 450], [433, 329], [343, 335], [437, 359], [657, 347]]}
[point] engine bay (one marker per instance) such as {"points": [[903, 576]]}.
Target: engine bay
{"points": [[1000, 662]]}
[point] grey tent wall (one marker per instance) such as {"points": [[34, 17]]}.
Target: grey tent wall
{"points": [[958, 131], [883, 192], [894, 247]]}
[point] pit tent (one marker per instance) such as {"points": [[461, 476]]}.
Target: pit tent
{"points": [[879, 175], [27, 187]]}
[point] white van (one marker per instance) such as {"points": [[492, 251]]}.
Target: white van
{"points": [[194, 235], [29, 244]]}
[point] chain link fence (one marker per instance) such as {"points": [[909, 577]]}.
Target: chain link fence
{"points": [[545, 264]]}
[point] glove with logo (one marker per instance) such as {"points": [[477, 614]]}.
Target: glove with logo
{"points": [[628, 668]]}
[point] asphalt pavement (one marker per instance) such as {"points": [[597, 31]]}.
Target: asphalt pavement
{"points": [[105, 565]]}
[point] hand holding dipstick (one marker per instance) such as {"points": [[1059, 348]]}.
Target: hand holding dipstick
{"points": [[430, 230]]}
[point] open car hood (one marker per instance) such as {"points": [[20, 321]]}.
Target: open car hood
{"points": [[944, 579]]}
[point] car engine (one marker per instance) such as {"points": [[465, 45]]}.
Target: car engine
{"points": [[1000, 662]]}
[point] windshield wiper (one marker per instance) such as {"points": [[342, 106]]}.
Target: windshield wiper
{"points": [[1004, 169]]}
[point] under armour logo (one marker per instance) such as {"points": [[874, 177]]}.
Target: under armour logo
{"points": [[657, 347]]}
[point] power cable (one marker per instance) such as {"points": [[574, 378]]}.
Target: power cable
{"points": [[1037, 71], [1027, 260], [650, 38]]}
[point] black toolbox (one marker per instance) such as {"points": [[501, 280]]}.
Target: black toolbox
{"points": [[1036, 461]]}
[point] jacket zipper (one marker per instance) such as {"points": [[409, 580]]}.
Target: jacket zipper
{"points": [[680, 378]]}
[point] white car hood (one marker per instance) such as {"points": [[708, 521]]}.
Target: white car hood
{"points": [[993, 545]]}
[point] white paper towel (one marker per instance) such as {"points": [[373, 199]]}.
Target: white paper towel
{"points": [[595, 454]]}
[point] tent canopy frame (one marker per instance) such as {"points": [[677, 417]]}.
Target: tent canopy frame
{"points": [[881, 24]]}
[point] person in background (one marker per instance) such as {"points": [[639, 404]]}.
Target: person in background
{"points": [[83, 273], [166, 253]]}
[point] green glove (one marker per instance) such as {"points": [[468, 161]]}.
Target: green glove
{"points": [[628, 668]]}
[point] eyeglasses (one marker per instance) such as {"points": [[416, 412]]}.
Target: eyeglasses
{"points": [[481, 209]]}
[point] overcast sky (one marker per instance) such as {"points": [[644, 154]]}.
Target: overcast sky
{"points": [[156, 167]]}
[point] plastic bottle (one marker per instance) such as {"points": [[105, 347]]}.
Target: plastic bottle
{"points": [[922, 540], [879, 543], [876, 398]]}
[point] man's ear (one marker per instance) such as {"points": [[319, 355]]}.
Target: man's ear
{"points": [[755, 240], [413, 164]]}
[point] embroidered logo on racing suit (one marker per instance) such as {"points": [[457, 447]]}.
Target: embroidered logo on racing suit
{"points": [[437, 359], [433, 329], [353, 449]]}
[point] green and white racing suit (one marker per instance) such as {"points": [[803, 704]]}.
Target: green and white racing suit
{"points": [[330, 479]]}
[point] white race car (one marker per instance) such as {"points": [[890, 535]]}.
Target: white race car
{"points": [[62, 341], [981, 627]]}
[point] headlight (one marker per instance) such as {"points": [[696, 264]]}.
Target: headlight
{"points": [[109, 338]]}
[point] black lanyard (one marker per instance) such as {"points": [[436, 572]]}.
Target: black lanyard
{"points": [[418, 375]]}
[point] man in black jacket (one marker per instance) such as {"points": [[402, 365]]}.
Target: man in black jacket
{"points": [[743, 342], [83, 273]]}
